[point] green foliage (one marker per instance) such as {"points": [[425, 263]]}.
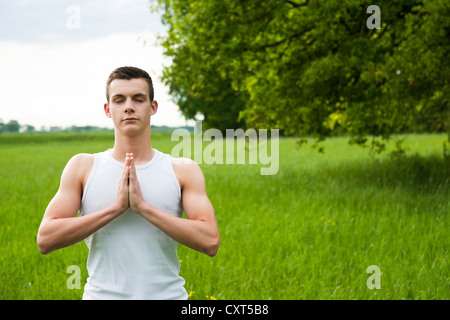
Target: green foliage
{"points": [[11, 127], [310, 67]]}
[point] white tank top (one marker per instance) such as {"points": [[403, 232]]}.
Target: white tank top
{"points": [[129, 258]]}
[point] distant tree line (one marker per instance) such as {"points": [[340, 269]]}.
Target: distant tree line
{"points": [[13, 126]]}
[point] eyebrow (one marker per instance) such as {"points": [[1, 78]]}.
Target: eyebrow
{"points": [[137, 95]]}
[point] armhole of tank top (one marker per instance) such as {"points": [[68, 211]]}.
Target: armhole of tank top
{"points": [[173, 175], [91, 176]]}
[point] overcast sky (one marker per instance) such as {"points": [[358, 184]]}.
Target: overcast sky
{"points": [[55, 57]]}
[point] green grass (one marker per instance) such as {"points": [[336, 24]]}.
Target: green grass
{"points": [[308, 232]]}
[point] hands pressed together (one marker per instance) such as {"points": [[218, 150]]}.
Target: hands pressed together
{"points": [[129, 194]]}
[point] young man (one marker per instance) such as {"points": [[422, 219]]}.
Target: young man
{"points": [[130, 200]]}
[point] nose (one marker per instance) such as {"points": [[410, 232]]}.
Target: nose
{"points": [[129, 108]]}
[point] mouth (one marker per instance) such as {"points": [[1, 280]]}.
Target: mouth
{"points": [[129, 119]]}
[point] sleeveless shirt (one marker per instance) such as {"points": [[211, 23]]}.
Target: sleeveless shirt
{"points": [[129, 258]]}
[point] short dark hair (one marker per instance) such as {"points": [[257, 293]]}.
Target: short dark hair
{"points": [[128, 73]]}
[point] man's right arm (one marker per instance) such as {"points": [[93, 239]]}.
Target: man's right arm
{"points": [[60, 227]]}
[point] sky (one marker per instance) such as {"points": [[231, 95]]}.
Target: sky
{"points": [[55, 57]]}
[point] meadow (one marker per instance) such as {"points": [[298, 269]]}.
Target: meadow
{"points": [[308, 232]]}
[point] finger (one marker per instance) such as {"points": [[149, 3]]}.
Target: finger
{"points": [[133, 168], [132, 171], [133, 175], [125, 175], [127, 160], [124, 170]]}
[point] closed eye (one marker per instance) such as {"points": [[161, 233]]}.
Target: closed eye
{"points": [[139, 97]]}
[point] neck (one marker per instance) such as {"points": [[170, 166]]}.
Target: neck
{"points": [[139, 145]]}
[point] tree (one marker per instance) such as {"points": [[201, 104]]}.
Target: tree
{"points": [[311, 67], [198, 78], [28, 128], [12, 126]]}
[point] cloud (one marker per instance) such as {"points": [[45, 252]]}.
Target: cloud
{"points": [[51, 75], [63, 84], [45, 21]]}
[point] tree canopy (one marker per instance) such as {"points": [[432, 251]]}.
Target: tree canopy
{"points": [[310, 67]]}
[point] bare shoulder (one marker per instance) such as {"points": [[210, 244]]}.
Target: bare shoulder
{"points": [[79, 167], [187, 170], [80, 162], [66, 201], [82, 159], [183, 162]]}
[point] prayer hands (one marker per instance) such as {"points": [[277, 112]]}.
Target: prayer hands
{"points": [[129, 194], [135, 198]]}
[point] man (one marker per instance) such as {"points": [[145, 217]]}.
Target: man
{"points": [[130, 201]]}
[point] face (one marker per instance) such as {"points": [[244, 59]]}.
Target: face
{"points": [[129, 105]]}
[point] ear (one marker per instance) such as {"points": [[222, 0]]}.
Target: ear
{"points": [[154, 107], [107, 111]]}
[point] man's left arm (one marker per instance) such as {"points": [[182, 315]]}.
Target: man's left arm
{"points": [[199, 231]]}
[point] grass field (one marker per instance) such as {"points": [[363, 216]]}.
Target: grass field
{"points": [[308, 232]]}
